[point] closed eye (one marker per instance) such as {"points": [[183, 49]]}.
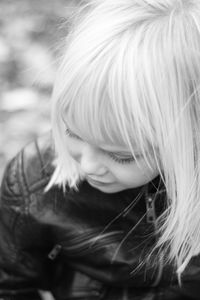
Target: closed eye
{"points": [[121, 159], [71, 134]]}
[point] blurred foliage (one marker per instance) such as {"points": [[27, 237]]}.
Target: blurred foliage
{"points": [[31, 32]]}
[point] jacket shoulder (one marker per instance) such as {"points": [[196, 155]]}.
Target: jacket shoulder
{"points": [[31, 169]]}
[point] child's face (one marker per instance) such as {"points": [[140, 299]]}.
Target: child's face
{"points": [[109, 168]]}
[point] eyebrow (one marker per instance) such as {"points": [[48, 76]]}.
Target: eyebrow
{"points": [[120, 150]]}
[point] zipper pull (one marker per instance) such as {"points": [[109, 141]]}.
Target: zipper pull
{"points": [[54, 252], [150, 207]]}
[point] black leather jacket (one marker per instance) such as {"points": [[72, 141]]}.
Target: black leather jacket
{"points": [[81, 245]]}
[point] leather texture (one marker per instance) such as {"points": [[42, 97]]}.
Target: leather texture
{"points": [[82, 244]]}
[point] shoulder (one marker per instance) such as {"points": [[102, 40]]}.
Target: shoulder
{"points": [[30, 169], [22, 196]]}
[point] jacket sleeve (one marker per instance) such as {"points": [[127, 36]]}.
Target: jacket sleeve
{"points": [[24, 265]]}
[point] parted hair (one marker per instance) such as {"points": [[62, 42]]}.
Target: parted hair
{"points": [[130, 71]]}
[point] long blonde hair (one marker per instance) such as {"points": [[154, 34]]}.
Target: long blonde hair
{"points": [[131, 72]]}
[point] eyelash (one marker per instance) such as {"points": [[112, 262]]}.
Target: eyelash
{"points": [[121, 160], [110, 154], [70, 134]]}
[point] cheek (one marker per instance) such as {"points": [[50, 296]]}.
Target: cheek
{"points": [[124, 173], [73, 147], [134, 175]]}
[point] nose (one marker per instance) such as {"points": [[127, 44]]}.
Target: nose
{"points": [[91, 162]]}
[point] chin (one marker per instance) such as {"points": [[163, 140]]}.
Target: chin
{"points": [[111, 189]]}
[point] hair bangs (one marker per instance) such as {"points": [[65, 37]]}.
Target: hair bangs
{"points": [[98, 110]]}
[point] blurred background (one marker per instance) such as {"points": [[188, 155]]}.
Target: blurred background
{"points": [[31, 35]]}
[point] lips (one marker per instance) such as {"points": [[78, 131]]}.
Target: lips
{"points": [[98, 181]]}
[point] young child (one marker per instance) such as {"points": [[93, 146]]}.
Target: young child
{"points": [[108, 205]]}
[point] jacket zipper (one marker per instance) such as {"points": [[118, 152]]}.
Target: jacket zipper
{"points": [[84, 294], [152, 219]]}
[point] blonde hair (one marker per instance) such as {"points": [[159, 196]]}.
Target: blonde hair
{"points": [[131, 72]]}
